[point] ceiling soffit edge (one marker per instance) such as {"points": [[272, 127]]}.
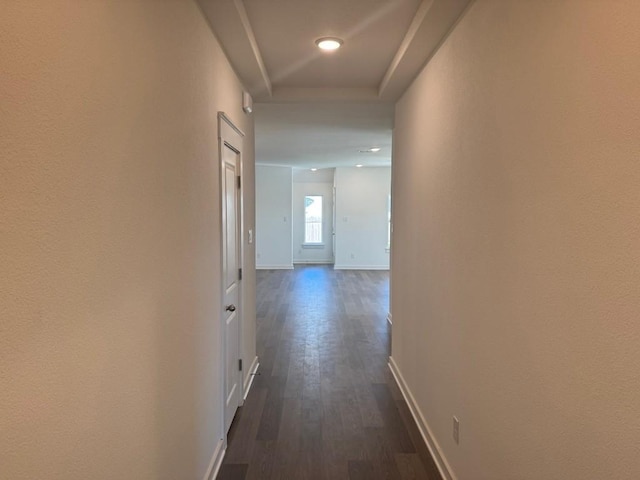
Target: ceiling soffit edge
{"points": [[416, 23], [248, 30]]}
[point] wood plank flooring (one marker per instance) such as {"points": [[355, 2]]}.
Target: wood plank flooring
{"points": [[325, 405]]}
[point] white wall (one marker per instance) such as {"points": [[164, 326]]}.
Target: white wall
{"points": [[273, 217], [361, 217], [516, 241], [305, 183], [110, 239]]}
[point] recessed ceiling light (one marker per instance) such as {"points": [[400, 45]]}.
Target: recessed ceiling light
{"points": [[358, 166], [314, 169], [374, 149], [329, 43]]}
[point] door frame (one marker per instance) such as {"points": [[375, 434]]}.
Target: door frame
{"points": [[233, 137]]}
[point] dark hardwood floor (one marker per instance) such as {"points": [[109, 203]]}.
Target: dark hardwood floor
{"points": [[325, 405]]}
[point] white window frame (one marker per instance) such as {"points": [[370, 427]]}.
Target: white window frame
{"points": [[388, 248], [307, 244]]}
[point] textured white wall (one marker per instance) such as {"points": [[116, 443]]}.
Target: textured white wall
{"points": [[109, 239], [249, 353], [516, 281], [273, 217], [361, 217]]}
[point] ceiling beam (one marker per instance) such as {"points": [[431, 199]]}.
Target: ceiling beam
{"points": [[418, 18], [244, 19], [324, 94]]}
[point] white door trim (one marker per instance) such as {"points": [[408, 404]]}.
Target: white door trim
{"points": [[232, 137]]}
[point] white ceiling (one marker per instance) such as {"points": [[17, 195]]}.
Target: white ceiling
{"points": [[324, 134], [318, 109]]}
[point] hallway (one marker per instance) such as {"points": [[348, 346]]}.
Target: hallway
{"points": [[325, 404]]}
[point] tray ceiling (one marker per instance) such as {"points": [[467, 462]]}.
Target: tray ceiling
{"points": [[318, 109]]}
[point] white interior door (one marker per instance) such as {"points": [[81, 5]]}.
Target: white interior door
{"points": [[231, 151]]}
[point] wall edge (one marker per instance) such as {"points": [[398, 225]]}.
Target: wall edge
{"points": [[432, 445], [216, 461]]}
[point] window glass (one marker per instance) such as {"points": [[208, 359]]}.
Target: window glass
{"points": [[313, 219], [389, 221]]}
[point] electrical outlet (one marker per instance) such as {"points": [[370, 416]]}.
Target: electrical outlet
{"points": [[456, 429]]}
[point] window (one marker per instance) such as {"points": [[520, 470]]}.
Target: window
{"points": [[313, 219], [389, 221]]}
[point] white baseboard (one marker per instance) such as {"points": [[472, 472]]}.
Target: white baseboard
{"points": [[360, 267], [248, 382], [216, 461], [274, 267], [441, 462], [218, 454], [389, 318], [312, 262]]}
